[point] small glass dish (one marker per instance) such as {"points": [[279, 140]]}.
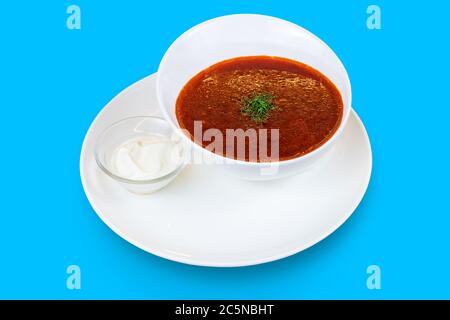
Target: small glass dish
{"points": [[132, 128]]}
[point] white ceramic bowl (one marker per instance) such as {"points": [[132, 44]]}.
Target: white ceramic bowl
{"points": [[248, 35]]}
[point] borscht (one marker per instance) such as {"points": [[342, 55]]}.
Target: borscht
{"points": [[262, 92]]}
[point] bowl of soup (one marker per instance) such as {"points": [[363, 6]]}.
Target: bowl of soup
{"points": [[260, 96]]}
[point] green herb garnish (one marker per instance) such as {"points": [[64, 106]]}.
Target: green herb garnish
{"points": [[258, 106]]}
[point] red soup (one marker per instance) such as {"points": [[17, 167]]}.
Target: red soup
{"points": [[260, 92]]}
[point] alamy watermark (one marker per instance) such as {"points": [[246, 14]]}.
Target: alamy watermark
{"points": [[374, 279], [224, 146], [73, 281], [73, 21], [373, 21]]}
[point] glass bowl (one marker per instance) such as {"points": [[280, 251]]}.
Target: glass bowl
{"points": [[132, 128]]}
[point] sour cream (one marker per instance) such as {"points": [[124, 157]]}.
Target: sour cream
{"points": [[146, 157]]}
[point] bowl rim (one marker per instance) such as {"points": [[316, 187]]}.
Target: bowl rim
{"points": [[119, 178], [315, 152]]}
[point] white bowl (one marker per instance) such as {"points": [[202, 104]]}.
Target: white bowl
{"points": [[248, 35]]}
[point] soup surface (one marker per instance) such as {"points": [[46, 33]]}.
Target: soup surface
{"points": [[261, 92]]}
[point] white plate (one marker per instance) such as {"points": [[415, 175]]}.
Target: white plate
{"points": [[207, 217]]}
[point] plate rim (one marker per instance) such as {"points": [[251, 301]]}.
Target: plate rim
{"points": [[199, 262]]}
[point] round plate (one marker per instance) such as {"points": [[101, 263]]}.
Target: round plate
{"points": [[207, 217]]}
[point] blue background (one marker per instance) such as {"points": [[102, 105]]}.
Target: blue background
{"points": [[54, 81]]}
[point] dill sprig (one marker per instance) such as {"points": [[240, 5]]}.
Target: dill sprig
{"points": [[258, 106]]}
